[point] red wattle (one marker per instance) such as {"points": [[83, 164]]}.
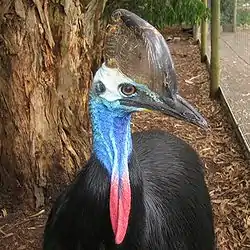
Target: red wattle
{"points": [[120, 205]]}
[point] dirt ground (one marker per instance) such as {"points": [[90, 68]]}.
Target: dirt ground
{"points": [[235, 75], [227, 171]]}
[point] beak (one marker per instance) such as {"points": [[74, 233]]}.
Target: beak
{"points": [[175, 106], [183, 110]]}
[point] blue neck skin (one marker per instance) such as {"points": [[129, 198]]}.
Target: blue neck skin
{"points": [[112, 142]]}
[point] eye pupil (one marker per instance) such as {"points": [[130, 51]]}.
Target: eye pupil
{"points": [[128, 89]]}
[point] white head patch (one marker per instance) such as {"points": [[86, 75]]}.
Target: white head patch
{"points": [[111, 78]]}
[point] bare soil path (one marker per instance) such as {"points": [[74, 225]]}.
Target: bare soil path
{"points": [[235, 76]]}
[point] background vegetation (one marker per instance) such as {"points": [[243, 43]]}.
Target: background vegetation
{"points": [[243, 16], [243, 12], [163, 12]]}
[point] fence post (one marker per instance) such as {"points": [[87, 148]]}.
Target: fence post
{"points": [[215, 46], [204, 31], [235, 16]]}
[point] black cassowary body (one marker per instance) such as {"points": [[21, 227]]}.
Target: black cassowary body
{"points": [[141, 191], [170, 203]]}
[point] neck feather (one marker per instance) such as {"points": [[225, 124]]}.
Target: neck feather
{"points": [[112, 141], [112, 145]]}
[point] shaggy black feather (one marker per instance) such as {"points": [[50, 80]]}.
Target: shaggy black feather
{"points": [[171, 208]]}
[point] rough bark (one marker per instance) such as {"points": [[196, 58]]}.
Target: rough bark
{"points": [[47, 51]]}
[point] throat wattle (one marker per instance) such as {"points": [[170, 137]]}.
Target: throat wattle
{"points": [[112, 145], [120, 204]]}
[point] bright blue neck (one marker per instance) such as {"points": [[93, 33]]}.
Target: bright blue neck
{"points": [[112, 143]]}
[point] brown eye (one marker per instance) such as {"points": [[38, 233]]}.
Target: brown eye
{"points": [[128, 89]]}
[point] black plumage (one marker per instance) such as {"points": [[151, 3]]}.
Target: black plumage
{"points": [[170, 210]]}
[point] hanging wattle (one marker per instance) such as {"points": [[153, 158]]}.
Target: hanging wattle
{"points": [[120, 204], [112, 145]]}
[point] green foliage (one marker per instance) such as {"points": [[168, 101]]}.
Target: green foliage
{"points": [[243, 17], [164, 12], [227, 11]]}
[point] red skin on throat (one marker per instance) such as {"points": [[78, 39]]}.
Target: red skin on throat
{"points": [[120, 205]]}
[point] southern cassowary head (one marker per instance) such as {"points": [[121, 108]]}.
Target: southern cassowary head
{"points": [[138, 74]]}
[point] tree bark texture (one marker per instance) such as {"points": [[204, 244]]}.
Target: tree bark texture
{"points": [[47, 51]]}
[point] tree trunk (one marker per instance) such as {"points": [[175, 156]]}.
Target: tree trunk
{"points": [[215, 49], [235, 16], [47, 51], [204, 36]]}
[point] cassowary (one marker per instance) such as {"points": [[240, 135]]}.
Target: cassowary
{"points": [[142, 191]]}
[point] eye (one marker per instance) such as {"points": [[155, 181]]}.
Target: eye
{"points": [[127, 89]]}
